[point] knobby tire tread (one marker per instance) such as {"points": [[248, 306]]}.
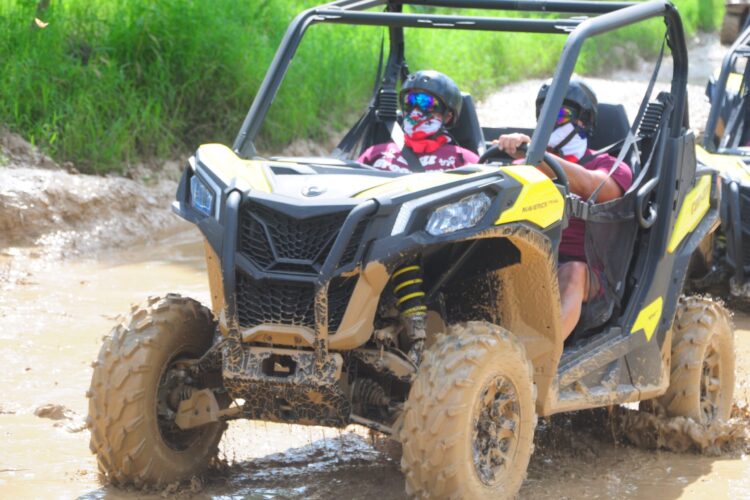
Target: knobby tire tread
{"points": [[435, 413], [122, 434], [697, 320]]}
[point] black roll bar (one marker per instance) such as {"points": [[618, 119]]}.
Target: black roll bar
{"points": [[596, 26], [566, 6]]}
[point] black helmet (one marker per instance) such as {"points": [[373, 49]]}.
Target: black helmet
{"points": [[437, 84], [580, 97]]}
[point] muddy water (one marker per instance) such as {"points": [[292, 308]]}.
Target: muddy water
{"points": [[53, 315]]}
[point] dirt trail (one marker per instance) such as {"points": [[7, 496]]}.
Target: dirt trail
{"points": [[54, 311], [53, 317]]}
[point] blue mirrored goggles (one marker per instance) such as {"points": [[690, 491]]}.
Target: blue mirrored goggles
{"points": [[427, 103]]}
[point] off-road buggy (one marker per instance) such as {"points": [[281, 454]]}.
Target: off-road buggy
{"points": [[722, 265], [424, 306]]}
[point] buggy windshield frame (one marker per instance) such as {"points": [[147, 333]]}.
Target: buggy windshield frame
{"points": [[601, 17]]}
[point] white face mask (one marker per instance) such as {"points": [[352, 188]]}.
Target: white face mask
{"points": [[427, 124], [575, 146]]}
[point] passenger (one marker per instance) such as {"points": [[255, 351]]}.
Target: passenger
{"points": [[586, 171], [431, 104]]}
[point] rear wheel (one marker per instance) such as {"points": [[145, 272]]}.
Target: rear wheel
{"points": [[470, 417], [138, 381], [701, 383]]}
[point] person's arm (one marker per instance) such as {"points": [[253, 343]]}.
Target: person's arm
{"points": [[582, 182]]}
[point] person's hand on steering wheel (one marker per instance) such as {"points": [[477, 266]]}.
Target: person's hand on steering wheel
{"points": [[510, 144], [506, 148]]}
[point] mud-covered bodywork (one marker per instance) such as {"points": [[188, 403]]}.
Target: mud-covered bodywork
{"points": [[312, 260], [305, 274]]}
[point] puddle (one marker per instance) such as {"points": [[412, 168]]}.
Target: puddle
{"points": [[53, 315]]}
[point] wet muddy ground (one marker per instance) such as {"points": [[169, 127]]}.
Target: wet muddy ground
{"points": [[60, 291], [54, 313]]}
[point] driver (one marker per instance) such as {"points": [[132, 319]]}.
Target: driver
{"points": [[431, 104], [586, 171]]}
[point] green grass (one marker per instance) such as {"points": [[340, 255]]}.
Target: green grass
{"points": [[107, 83]]}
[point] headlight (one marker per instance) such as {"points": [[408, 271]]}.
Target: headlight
{"points": [[201, 197], [460, 215]]}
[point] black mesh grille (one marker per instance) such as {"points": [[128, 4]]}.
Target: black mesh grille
{"points": [[745, 204], [339, 292], [289, 303], [744, 218], [273, 302], [351, 248], [253, 240], [268, 237]]}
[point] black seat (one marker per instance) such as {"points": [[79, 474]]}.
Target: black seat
{"points": [[612, 125], [467, 132]]}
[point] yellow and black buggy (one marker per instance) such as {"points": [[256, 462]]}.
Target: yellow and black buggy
{"points": [[424, 306], [722, 265]]}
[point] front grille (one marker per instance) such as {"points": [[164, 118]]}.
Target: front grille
{"points": [[351, 249], [277, 242], [273, 302], [339, 292], [745, 225], [744, 204], [289, 303]]}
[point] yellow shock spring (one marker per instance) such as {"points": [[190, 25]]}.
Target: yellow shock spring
{"points": [[407, 287]]}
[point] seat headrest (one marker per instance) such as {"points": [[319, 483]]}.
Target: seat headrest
{"points": [[612, 125], [467, 132]]}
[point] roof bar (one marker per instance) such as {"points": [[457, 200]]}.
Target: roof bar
{"points": [[500, 24], [567, 6]]}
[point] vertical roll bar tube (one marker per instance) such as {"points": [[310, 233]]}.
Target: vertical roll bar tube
{"points": [[597, 26]]}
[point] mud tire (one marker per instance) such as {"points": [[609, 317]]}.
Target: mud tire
{"points": [[442, 414], [125, 433], [701, 384]]}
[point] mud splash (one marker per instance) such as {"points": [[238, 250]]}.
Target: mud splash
{"points": [[650, 430], [680, 434]]}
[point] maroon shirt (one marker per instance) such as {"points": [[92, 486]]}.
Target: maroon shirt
{"points": [[572, 243], [387, 156]]}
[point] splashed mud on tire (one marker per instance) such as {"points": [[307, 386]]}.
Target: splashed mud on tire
{"points": [[680, 434], [584, 433]]}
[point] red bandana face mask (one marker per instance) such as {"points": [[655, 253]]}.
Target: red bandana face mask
{"points": [[420, 129]]}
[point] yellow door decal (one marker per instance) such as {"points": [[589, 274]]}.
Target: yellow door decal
{"points": [[648, 318], [539, 201], [694, 207]]}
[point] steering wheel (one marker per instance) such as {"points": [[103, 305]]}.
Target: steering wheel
{"points": [[495, 153]]}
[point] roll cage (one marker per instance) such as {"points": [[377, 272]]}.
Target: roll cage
{"points": [[589, 19]]}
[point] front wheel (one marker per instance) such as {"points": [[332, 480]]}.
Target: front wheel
{"points": [[701, 384], [138, 382], [470, 417]]}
